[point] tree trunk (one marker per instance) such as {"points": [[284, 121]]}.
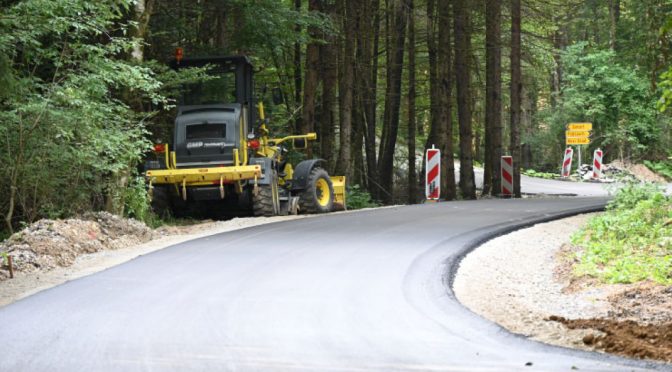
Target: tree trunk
{"points": [[371, 104], [559, 43], [365, 94], [410, 135], [143, 11], [614, 15], [311, 80], [344, 164], [329, 70], [393, 98], [298, 83], [516, 93], [493, 98], [462, 72], [444, 110]]}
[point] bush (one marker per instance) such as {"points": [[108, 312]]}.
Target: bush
{"points": [[545, 175], [358, 198], [70, 126], [664, 168], [632, 241]]}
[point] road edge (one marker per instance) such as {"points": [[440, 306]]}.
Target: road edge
{"points": [[481, 236]]}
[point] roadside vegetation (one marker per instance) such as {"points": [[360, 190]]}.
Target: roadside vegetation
{"points": [[664, 168], [632, 241], [538, 174], [85, 90]]}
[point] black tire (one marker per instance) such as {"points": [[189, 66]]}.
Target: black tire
{"points": [[266, 201], [161, 204], [313, 199]]}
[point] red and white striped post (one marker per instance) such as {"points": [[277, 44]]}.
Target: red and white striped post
{"points": [[433, 174], [507, 175], [567, 162], [597, 163]]}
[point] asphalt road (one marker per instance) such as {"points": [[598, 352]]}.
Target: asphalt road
{"points": [[356, 291]]}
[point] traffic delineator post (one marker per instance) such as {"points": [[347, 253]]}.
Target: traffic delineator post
{"points": [[567, 162], [433, 174], [507, 175], [597, 163]]}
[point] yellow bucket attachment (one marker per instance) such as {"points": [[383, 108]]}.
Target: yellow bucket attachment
{"points": [[339, 192], [199, 176]]}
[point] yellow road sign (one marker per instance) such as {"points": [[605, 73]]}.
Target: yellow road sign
{"points": [[578, 141], [577, 134], [580, 126]]}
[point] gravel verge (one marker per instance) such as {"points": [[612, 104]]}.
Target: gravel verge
{"points": [[523, 281], [510, 280]]}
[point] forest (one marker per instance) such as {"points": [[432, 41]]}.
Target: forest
{"points": [[85, 89]]}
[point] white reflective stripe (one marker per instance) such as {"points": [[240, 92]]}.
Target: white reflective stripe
{"points": [[567, 162], [597, 163], [433, 174], [507, 175]]}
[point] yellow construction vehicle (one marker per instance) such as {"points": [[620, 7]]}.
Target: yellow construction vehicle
{"points": [[222, 151]]}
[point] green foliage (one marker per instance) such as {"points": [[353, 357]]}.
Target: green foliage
{"points": [[632, 241], [664, 168], [628, 196], [545, 175], [617, 99], [666, 87], [70, 132], [357, 198], [136, 201]]}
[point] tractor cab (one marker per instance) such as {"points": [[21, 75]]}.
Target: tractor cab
{"points": [[214, 115], [222, 151]]}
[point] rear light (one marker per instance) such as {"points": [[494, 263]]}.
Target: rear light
{"points": [[253, 144], [159, 147]]}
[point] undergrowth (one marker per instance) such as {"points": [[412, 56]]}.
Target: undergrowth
{"points": [[545, 175], [664, 168], [358, 198], [632, 241]]}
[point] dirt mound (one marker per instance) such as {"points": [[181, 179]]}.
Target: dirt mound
{"points": [[627, 338], [643, 302], [47, 244], [626, 170]]}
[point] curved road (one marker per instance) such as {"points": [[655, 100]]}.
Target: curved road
{"points": [[356, 291]]}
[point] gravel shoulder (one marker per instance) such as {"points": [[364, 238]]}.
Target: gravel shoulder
{"points": [[523, 281], [510, 280]]}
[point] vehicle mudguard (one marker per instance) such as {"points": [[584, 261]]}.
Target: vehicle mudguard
{"points": [[301, 172], [266, 165]]}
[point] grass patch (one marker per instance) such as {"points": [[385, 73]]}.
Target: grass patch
{"points": [[631, 241], [664, 168], [545, 175]]}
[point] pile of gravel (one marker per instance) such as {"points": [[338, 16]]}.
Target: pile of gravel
{"points": [[47, 244]]}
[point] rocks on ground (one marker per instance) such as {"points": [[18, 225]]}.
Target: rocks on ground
{"points": [[47, 244], [618, 171], [524, 281]]}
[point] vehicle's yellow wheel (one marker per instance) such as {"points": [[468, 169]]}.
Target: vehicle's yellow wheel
{"points": [[318, 197], [322, 192]]}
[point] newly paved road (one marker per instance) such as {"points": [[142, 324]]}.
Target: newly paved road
{"points": [[345, 292]]}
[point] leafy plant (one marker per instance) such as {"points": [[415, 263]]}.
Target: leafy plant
{"points": [[545, 175], [72, 123], [664, 168], [358, 198], [632, 241]]}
